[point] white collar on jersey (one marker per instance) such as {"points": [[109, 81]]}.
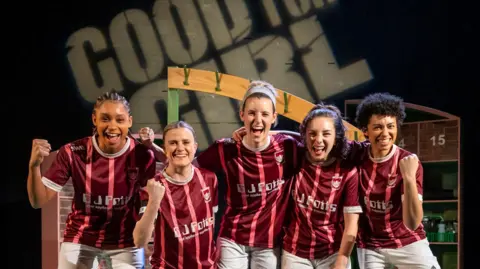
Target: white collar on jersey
{"points": [[176, 182], [382, 159], [256, 149], [108, 155]]}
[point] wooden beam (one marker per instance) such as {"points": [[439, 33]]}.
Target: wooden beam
{"points": [[172, 105], [235, 87]]}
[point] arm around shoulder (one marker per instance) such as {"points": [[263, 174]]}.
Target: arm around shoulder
{"points": [[147, 137], [213, 158]]}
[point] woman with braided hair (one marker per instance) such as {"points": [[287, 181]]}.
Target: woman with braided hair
{"points": [[107, 170]]}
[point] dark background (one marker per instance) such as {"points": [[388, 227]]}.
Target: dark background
{"points": [[408, 45]]}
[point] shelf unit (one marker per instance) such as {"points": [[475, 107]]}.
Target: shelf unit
{"points": [[434, 136]]}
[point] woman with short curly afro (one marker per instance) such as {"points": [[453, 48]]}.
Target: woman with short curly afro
{"points": [[391, 188]]}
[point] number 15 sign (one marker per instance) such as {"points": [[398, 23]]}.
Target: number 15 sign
{"points": [[431, 141]]}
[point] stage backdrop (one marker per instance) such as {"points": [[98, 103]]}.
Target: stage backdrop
{"points": [[70, 52], [286, 44]]}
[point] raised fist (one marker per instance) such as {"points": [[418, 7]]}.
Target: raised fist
{"points": [[155, 190], [147, 136], [409, 166], [40, 149]]}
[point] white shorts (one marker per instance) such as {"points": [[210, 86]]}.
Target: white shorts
{"points": [[236, 256], [77, 256], [290, 261], [417, 255]]}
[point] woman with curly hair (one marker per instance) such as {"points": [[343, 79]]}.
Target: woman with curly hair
{"points": [[323, 221], [391, 188]]}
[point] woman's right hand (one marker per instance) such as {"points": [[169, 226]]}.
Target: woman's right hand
{"points": [[147, 136], [40, 149], [155, 191]]}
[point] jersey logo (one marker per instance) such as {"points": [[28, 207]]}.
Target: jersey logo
{"points": [[228, 141], [392, 179], [77, 148], [206, 194], [279, 156], [336, 181], [132, 173]]}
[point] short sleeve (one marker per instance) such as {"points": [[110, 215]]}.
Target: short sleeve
{"points": [[215, 194], [350, 193], [293, 151], [419, 176], [141, 204], [357, 152], [144, 160], [293, 135], [60, 170], [151, 167], [210, 158]]}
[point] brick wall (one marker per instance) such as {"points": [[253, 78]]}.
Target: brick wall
{"points": [[408, 137], [438, 140], [431, 141], [66, 196]]}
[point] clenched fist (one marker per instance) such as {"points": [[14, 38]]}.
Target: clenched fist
{"points": [[155, 190], [408, 167], [147, 136], [40, 149]]}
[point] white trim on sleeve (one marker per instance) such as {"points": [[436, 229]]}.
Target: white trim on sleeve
{"points": [[352, 209], [420, 197], [51, 185]]}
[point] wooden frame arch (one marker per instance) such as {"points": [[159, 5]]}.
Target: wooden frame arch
{"points": [[288, 105]]}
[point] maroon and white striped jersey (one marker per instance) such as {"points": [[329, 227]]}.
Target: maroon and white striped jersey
{"points": [[258, 182], [321, 194], [103, 213], [184, 227], [381, 195]]}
